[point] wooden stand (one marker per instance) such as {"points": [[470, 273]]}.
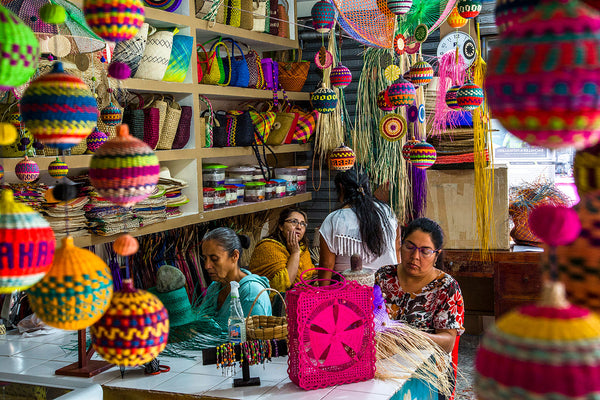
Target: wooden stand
{"points": [[84, 367]]}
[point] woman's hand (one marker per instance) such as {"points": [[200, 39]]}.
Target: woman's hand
{"points": [[293, 244]]}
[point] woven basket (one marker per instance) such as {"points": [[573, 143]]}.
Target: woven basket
{"points": [[183, 129], [266, 327], [157, 53], [292, 75], [169, 128]]}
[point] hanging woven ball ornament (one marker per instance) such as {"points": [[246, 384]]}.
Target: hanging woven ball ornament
{"points": [[324, 100], [392, 72], [421, 73], [27, 244], [423, 155], [455, 20], [399, 44], [8, 134], [134, 329], [53, 13], [95, 140], [469, 96], [1, 172], [408, 147], [340, 76], [111, 115], [555, 225], [64, 192], [119, 70], [469, 8], [383, 101], [509, 12], [75, 292], [401, 93], [323, 16], [392, 127], [399, 7], [342, 158], [58, 169], [126, 245], [553, 103], [27, 170], [18, 51], [124, 170], [450, 98], [59, 109], [114, 20], [540, 351]]}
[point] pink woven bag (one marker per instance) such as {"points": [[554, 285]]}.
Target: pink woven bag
{"points": [[330, 333]]}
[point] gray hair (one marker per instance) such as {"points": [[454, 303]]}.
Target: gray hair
{"points": [[228, 240]]}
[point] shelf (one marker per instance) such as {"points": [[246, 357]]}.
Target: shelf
{"points": [[146, 85], [79, 161], [220, 152], [232, 92], [259, 41]]}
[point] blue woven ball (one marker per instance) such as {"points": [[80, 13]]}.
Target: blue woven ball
{"points": [[323, 16], [324, 100]]}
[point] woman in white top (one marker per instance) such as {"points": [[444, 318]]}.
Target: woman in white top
{"points": [[362, 225]]}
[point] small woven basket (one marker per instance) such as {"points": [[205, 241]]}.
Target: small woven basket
{"points": [[169, 128], [265, 327]]}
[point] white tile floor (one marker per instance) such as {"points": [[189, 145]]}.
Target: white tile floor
{"points": [[42, 355]]}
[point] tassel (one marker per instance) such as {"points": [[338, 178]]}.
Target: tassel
{"points": [[418, 182], [451, 72]]}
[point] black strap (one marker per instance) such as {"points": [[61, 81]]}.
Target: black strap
{"points": [[262, 161]]}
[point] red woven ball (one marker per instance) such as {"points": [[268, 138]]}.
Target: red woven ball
{"points": [[555, 225]]}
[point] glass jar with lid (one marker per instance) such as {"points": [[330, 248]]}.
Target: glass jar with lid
{"points": [[246, 174], [220, 197], [255, 191], [213, 175], [208, 196]]}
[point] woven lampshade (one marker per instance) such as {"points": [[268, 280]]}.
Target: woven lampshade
{"points": [[408, 147], [27, 243], [124, 170], [27, 170], [114, 20], [423, 155], [469, 8], [323, 16], [509, 12], [340, 76], [134, 330], [342, 158], [75, 292], [96, 139], [401, 93], [421, 73], [18, 51], [455, 20], [324, 100], [58, 169]]}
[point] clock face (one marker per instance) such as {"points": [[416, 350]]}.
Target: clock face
{"points": [[466, 46]]}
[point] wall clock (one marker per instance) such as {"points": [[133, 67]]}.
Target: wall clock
{"points": [[466, 46]]}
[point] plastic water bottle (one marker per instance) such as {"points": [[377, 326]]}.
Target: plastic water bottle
{"points": [[236, 322]]}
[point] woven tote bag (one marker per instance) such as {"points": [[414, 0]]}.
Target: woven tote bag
{"points": [[255, 72], [183, 128], [169, 129], [247, 17], [152, 124], [240, 75], [233, 13], [208, 137], [131, 51], [213, 71], [292, 75], [180, 58], [133, 116], [259, 16], [157, 53]]}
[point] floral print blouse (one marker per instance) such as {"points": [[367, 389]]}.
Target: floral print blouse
{"points": [[439, 305]]}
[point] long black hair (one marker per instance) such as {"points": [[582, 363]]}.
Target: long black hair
{"points": [[283, 215], [372, 219]]}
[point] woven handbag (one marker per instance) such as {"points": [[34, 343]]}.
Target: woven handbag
{"points": [[247, 17], [292, 75], [180, 58], [156, 56], [233, 13], [240, 75], [263, 124], [133, 115], [183, 128], [282, 14], [219, 138], [208, 138], [266, 327], [260, 10], [169, 128], [151, 125], [270, 73], [255, 72], [204, 60], [131, 51], [166, 5], [213, 70], [273, 21], [239, 128]]}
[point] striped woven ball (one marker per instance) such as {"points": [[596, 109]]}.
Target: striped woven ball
{"points": [[423, 155], [408, 147], [124, 170], [383, 101], [450, 98], [555, 101], [340, 76], [134, 329], [96, 139], [27, 170], [401, 93], [509, 12], [27, 244], [75, 292], [541, 351], [114, 20], [469, 96], [421, 73], [399, 7], [58, 169], [455, 20], [59, 109], [111, 115], [324, 100], [323, 16], [18, 51], [342, 158], [469, 8]]}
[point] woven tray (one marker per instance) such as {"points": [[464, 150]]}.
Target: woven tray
{"points": [[265, 327]]}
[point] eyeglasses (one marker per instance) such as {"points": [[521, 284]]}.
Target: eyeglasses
{"points": [[425, 251], [295, 222]]}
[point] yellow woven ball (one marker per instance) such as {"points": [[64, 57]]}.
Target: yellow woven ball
{"points": [[8, 134]]}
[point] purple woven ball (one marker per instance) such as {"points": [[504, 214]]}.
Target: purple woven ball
{"points": [[469, 96], [340, 76], [27, 170], [111, 115], [402, 93], [119, 70], [95, 140], [323, 16]]}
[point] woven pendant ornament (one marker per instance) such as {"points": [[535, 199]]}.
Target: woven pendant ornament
{"points": [[412, 47], [324, 100], [340, 76], [383, 101], [412, 113], [399, 44], [556, 225], [455, 20], [126, 245], [134, 329], [469, 96], [75, 292], [27, 244], [450, 98], [124, 170], [114, 20], [342, 158], [119, 70], [421, 33], [421, 115], [8, 134], [323, 58], [509, 12], [392, 72], [421, 73], [547, 350], [18, 51], [323, 16], [408, 147], [111, 115], [392, 127], [53, 13], [57, 169], [423, 155], [553, 103], [469, 8], [401, 93], [96, 139], [399, 7], [27, 170], [59, 109]]}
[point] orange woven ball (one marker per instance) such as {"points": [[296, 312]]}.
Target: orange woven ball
{"points": [[126, 245]]}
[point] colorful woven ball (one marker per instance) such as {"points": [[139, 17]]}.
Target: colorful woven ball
{"points": [[95, 140], [8, 134], [509, 12], [555, 101], [134, 329], [111, 115], [59, 109], [1, 172], [114, 20], [408, 147], [75, 292], [324, 100], [399, 7], [383, 101], [342, 158], [27, 244], [124, 170], [556, 225], [340, 76], [469, 96], [469, 8], [126, 245], [401, 93], [27, 170], [18, 51], [421, 73], [58, 169], [323, 16], [393, 127], [423, 155], [455, 20], [450, 98], [53, 13], [540, 351]]}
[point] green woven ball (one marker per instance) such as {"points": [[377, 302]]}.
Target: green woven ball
{"points": [[53, 14], [18, 51]]}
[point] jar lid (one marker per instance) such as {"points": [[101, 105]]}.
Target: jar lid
{"points": [[240, 169], [255, 184], [214, 166], [273, 182], [279, 180], [300, 167], [208, 189], [219, 189], [230, 187]]}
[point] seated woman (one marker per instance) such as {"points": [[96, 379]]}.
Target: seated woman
{"points": [[283, 255]]}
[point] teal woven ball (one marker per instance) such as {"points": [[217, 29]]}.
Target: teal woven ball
{"points": [[323, 16], [18, 51], [58, 169], [423, 155], [324, 100], [111, 115]]}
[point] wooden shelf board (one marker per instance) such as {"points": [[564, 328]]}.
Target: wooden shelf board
{"points": [[145, 85], [170, 155], [164, 19], [80, 161], [207, 30], [232, 92], [220, 152]]}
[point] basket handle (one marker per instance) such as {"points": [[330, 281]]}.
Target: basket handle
{"points": [[336, 284], [258, 296]]}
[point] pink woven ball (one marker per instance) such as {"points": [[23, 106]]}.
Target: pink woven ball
{"points": [[421, 73], [451, 100], [423, 155], [553, 102], [119, 70], [111, 115], [27, 170], [114, 20], [555, 225], [340, 76], [407, 148], [509, 12], [402, 93], [469, 96], [95, 140]]}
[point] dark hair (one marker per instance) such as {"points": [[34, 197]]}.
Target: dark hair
{"points": [[283, 215], [433, 229], [228, 240], [372, 220]]}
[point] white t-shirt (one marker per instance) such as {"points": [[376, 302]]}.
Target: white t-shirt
{"points": [[342, 235]]}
